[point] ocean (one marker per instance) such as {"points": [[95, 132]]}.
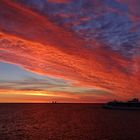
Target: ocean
{"points": [[67, 122]]}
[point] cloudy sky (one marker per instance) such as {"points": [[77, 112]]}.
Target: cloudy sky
{"points": [[69, 50]]}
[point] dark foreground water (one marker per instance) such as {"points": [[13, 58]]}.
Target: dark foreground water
{"points": [[67, 122]]}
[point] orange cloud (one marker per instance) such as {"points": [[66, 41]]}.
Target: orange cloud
{"points": [[47, 97], [37, 44]]}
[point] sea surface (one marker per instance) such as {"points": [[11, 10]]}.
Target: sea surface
{"points": [[67, 122]]}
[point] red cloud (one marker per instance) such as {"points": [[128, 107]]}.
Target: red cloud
{"points": [[37, 44]]}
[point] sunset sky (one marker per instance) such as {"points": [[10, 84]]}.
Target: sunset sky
{"points": [[69, 50]]}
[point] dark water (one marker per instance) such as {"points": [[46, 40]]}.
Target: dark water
{"points": [[67, 122]]}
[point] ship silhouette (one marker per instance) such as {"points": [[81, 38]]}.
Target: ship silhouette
{"points": [[133, 104]]}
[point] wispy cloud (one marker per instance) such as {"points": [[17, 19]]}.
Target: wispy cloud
{"points": [[41, 45]]}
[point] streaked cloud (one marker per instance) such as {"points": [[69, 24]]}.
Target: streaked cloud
{"points": [[97, 50]]}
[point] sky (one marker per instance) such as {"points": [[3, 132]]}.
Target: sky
{"points": [[69, 50]]}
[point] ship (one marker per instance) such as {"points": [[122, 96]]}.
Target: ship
{"points": [[133, 104]]}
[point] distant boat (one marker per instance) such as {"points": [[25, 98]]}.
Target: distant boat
{"points": [[133, 104]]}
